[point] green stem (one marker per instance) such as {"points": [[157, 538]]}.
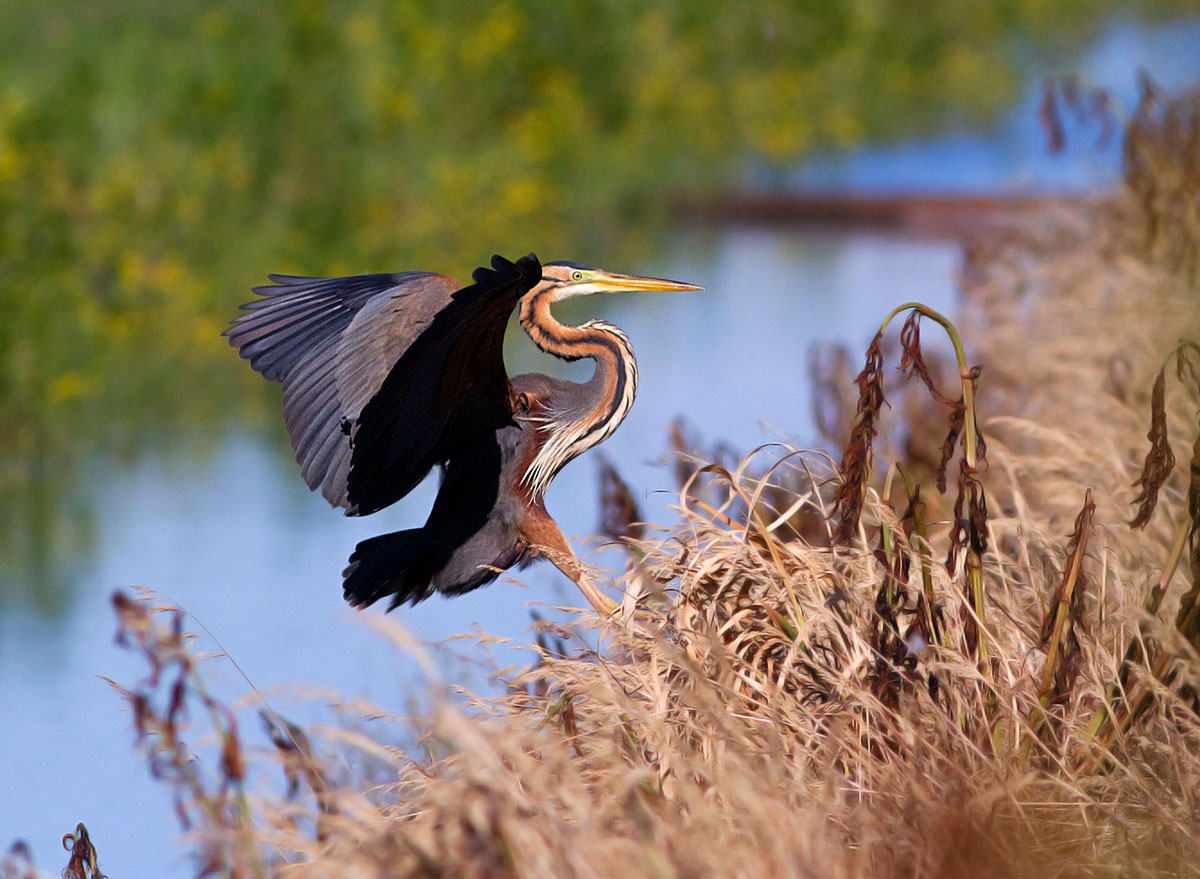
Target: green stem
{"points": [[969, 440]]}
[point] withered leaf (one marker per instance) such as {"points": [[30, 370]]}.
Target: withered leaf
{"points": [[1160, 460]]}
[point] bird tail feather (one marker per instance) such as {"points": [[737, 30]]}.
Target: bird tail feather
{"points": [[390, 564]]}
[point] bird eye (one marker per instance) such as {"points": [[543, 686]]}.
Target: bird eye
{"points": [[577, 275]]}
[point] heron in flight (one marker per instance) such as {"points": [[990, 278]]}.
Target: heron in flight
{"points": [[387, 376]]}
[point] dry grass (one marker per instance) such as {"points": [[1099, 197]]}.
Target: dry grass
{"points": [[917, 687]]}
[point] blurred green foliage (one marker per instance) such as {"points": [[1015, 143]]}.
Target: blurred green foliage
{"points": [[157, 159]]}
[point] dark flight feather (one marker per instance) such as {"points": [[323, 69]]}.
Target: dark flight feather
{"points": [[450, 384], [330, 342]]}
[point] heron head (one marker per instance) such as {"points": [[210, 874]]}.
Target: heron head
{"points": [[569, 279]]}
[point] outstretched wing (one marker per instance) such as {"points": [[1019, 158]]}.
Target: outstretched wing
{"points": [[445, 390], [331, 342]]}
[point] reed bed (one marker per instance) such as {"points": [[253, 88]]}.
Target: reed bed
{"points": [[965, 645]]}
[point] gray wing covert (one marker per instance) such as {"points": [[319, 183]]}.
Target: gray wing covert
{"points": [[331, 342]]}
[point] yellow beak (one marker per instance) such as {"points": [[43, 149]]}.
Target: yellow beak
{"points": [[612, 282]]}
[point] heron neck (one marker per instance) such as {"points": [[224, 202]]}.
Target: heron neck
{"points": [[616, 367], [562, 340], [607, 395]]}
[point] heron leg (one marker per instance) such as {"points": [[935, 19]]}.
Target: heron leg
{"points": [[573, 568], [547, 540]]}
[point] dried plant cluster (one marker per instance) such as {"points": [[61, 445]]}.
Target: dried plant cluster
{"points": [[17, 862], [828, 669]]}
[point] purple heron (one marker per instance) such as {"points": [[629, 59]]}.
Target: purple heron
{"points": [[387, 376]]}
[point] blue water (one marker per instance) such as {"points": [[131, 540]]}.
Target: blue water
{"points": [[235, 538]]}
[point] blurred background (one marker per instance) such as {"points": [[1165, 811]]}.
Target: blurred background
{"points": [[157, 160]]}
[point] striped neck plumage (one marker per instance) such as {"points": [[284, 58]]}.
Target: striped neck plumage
{"points": [[608, 395]]}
